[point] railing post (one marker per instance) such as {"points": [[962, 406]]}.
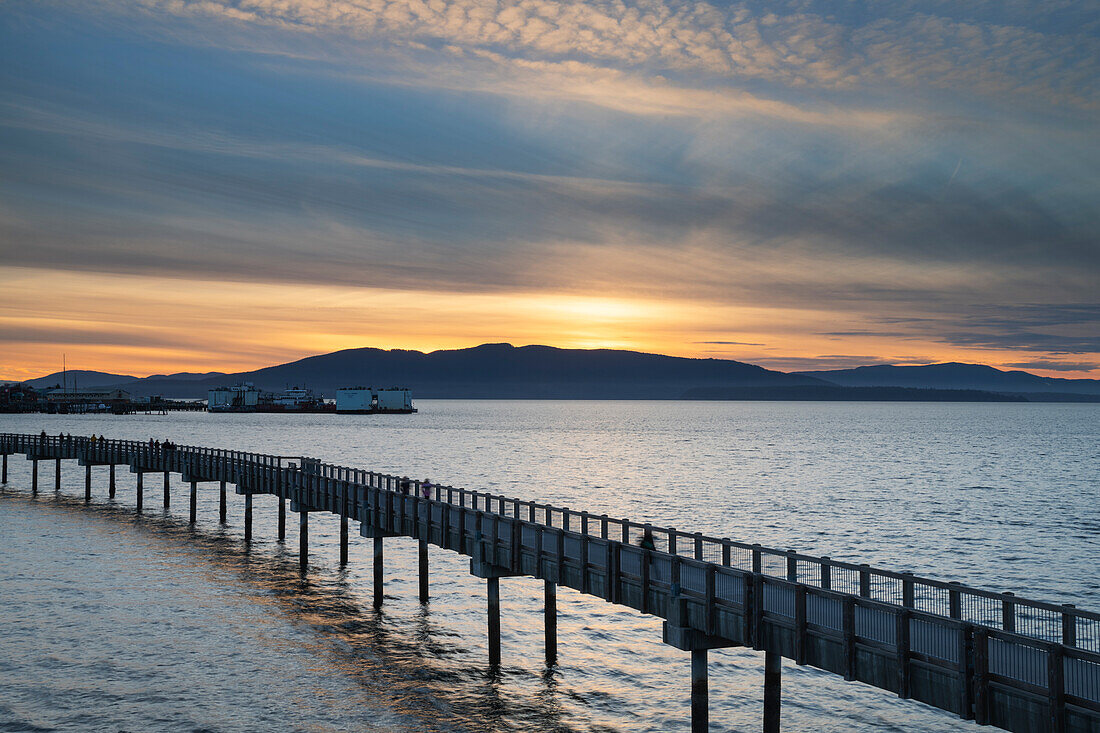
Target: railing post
{"points": [[981, 676], [792, 567], [800, 624], [826, 573], [1069, 624], [907, 590], [865, 580], [849, 630], [1008, 614], [1056, 688], [954, 602], [902, 636]]}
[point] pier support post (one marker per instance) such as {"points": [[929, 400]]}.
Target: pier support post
{"points": [[57, 475], [493, 588], [194, 502], [378, 585], [167, 487], [34, 476], [111, 483], [550, 615], [343, 541], [423, 551], [773, 681], [4, 478], [247, 518], [140, 491], [282, 519], [303, 540], [700, 692], [87, 484], [221, 503]]}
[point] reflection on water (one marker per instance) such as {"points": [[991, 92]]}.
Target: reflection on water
{"points": [[114, 620]]}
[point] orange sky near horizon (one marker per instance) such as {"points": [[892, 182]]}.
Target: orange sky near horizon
{"points": [[151, 325]]}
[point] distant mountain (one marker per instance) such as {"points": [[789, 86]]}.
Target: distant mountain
{"points": [[836, 393], [81, 379], [187, 376], [543, 372], [954, 375], [492, 371]]}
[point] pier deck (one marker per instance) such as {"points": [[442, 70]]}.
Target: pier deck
{"points": [[995, 658]]}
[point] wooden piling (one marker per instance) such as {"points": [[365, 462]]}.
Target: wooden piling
{"points": [[34, 476], [167, 488], [111, 482], [4, 477], [550, 618], [57, 474], [221, 503], [87, 484], [700, 692], [194, 502], [303, 540], [140, 490], [282, 519], [493, 593], [773, 681], [343, 540], [247, 518], [378, 572], [423, 552]]}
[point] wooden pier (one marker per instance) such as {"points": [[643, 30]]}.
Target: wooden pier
{"points": [[995, 658]]}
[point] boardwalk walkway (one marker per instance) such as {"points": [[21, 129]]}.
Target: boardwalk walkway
{"points": [[995, 658]]}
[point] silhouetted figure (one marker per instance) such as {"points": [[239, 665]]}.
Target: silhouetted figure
{"points": [[406, 485], [647, 543], [426, 488]]}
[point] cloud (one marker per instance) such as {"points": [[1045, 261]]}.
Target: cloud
{"points": [[928, 45], [1055, 366], [729, 343]]}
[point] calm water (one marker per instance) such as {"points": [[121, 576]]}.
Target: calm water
{"points": [[115, 621]]}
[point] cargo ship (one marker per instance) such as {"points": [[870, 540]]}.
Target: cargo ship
{"points": [[248, 398], [374, 401]]}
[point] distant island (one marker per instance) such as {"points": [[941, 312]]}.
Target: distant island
{"points": [[503, 371]]}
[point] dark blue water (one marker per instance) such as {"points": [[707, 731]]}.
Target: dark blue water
{"points": [[115, 621]]}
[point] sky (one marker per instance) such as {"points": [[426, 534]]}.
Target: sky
{"points": [[197, 185]]}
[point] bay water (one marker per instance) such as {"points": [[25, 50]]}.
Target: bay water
{"points": [[111, 620]]}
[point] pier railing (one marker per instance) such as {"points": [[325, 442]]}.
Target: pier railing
{"points": [[1001, 659]]}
